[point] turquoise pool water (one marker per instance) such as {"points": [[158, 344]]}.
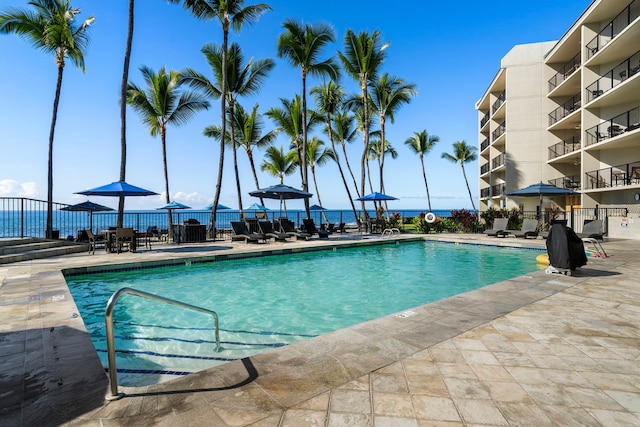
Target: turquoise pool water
{"points": [[270, 301]]}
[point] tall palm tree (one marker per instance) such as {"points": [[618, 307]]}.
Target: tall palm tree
{"points": [[362, 58], [160, 105], [51, 27], [242, 79], [388, 94], [249, 135], [463, 153], [230, 14], [329, 97], [421, 143], [302, 45], [277, 163]]}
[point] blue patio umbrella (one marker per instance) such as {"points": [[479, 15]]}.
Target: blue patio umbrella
{"points": [[376, 197], [281, 192], [316, 208], [117, 189], [220, 207], [256, 207], [541, 189], [175, 205], [87, 206]]}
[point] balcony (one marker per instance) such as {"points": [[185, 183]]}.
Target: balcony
{"points": [[565, 72], [484, 144], [484, 120], [497, 133], [568, 107], [498, 189], [613, 28], [564, 147], [617, 75], [498, 102], [618, 125], [484, 192], [569, 182], [484, 168], [615, 176], [498, 161]]}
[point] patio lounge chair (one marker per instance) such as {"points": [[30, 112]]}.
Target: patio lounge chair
{"points": [[592, 229], [94, 240], [339, 229], [240, 232], [266, 228], [499, 228], [529, 229], [310, 227], [287, 227]]}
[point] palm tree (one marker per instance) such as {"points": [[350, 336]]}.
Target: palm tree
{"points": [[345, 130], [301, 45], [376, 152], [387, 95], [230, 14], [317, 155], [289, 119], [242, 79], [421, 143], [362, 59], [329, 97], [278, 164], [51, 27], [463, 153], [162, 104]]}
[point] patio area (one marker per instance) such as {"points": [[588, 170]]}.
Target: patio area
{"points": [[538, 350]]}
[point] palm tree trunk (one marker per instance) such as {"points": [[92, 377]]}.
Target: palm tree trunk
{"points": [[52, 130], [253, 170], [424, 175], [223, 102], [468, 188], [346, 160], [235, 156], [344, 180], [315, 184], [365, 150], [381, 154], [163, 139], [303, 160], [123, 110]]}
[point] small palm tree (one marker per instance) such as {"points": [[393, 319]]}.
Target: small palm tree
{"points": [[463, 153], [277, 163], [362, 58], [387, 95], [301, 45], [421, 143], [51, 27], [230, 14], [345, 130], [160, 105]]}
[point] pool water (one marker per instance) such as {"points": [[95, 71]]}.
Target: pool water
{"points": [[271, 301]]}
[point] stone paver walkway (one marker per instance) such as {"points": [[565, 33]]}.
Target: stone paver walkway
{"points": [[535, 350]]}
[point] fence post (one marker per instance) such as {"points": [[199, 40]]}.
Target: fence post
{"points": [[572, 218], [22, 217]]}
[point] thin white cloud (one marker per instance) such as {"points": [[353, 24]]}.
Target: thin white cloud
{"points": [[13, 188]]}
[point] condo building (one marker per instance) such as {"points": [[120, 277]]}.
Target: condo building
{"points": [[567, 113]]}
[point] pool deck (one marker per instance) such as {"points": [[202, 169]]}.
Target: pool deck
{"points": [[539, 349]]}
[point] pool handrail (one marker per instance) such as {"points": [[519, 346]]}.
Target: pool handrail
{"points": [[108, 319]]}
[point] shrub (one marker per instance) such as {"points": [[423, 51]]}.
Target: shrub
{"points": [[464, 218]]}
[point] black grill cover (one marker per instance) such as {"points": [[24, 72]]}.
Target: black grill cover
{"points": [[565, 248]]}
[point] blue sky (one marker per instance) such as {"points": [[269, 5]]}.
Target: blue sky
{"points": [[450, 50]]}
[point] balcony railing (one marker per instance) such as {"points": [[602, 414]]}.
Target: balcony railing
{"points": [[498, 189], [564, 147], [613, 28], [484, 120], [613, 78], [484, 192], [565, 109], [498, 102], [625, 122], [615, 176], [498, 161], [565, 72], [484, 168], [498, 131], [570, 182], [484, 144]]}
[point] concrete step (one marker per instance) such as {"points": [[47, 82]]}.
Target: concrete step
{"points": [[27, 249]]}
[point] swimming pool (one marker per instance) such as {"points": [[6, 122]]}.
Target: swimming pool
{"points": [[271, 301]]}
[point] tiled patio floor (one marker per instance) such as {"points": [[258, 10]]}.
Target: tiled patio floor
{"points": [[535, 350]]}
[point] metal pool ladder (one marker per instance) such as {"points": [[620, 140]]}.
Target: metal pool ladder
{"points": [[389, 232], [108, 320]]}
